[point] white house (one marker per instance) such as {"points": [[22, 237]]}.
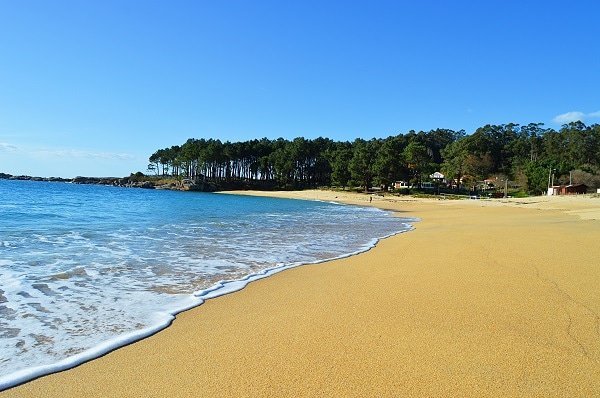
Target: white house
{"points": [[437, 176], [401, 185]]}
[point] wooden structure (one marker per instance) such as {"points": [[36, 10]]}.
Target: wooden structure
{"points": [[573, 189], [401, 185]]}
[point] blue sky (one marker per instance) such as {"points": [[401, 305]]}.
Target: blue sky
{"points": [[93, 88]]}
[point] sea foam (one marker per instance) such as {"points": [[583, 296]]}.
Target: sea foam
{"points": [[121, 267]]}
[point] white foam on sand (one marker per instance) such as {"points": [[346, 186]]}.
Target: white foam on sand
{"points": [[163, 319], [116, 271]]}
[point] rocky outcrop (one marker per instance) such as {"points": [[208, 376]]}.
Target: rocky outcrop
{"points": [[96, 180], [4, 176], [114, 181], [126, 182]]}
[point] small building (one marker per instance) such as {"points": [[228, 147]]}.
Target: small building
{"points": [[401, 185], [573, 189], [485, 185], [437, 176], [490, 183]]}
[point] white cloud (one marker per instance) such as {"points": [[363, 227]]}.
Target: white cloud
{"points": [[7, 147], [64, 152], [79, 154], [594, 114], [569, 117], [574, 116]]}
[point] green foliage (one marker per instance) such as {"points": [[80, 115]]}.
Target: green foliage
{"points": [[537, 177], [339, 160], [519, 194], [139, 176], [419, 160], [362, 164], [523, 153], [455, 156]]}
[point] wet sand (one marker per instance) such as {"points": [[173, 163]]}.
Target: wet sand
{"points": [[483, 298]]}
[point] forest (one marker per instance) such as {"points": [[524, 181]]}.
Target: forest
{"points": [[525, 155]]}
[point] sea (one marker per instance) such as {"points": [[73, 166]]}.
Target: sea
{"points": [[85, 269]]}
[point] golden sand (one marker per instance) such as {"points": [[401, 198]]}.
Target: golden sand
{"points": [[483, 298]]}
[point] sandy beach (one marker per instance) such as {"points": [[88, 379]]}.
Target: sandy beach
{"points": [[484, 298]]}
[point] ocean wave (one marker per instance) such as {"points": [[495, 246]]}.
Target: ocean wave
{"points": [[90, 284]]}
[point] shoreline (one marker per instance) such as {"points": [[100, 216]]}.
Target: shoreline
{"points": [[338, 286], [195, 299]]}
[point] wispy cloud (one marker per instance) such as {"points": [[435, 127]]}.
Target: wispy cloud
{"points": [[65, 153], [81, 154], [7, 147], [574, 116]]}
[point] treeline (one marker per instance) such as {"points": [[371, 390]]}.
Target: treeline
{"points": [[523, 154]]}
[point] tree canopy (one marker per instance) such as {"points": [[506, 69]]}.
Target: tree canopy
{"points": [[522, 153]]}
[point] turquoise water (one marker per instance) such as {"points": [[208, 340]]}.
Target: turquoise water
{"points": [[87, 268]]}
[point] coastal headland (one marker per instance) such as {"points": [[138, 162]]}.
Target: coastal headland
{"points": [[132, 181], [484, 298]]}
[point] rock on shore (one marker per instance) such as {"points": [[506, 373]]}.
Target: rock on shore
{"points": [[126, 182]]}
